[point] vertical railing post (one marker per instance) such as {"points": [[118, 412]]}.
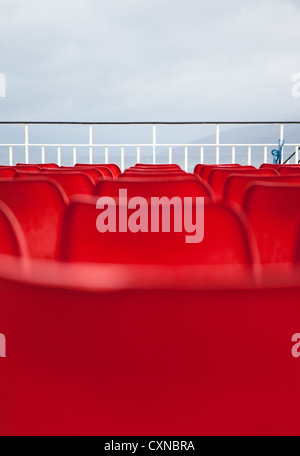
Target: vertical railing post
{"points": [[281, 139], [10, 156], [43, 155], [202, 155], [122, 159], [186, 159], [91, 144], [26, 144], [170, 155], [217, 144], [233, 155], [266, 154], [59, 155], [138, 154], [249, 155], [154, 144], [106, 155], [74, 155]]}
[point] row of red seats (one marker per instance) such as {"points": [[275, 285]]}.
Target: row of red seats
{"points": [[57, 229]]}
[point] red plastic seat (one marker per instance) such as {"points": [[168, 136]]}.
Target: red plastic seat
{"points": [[115, 170], [148, 188], [29, 168], [270, 166], [40, 165], [39, 206], [7, 172], [72, 182], [226, 240], [12, 239], [273, 211], [288, 169], [218, 177], [206, 169], [236, 185], [157, 167], [146, 352], [158, 175], [95, 174]]}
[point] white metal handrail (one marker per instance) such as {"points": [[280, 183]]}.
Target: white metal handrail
{"points": [[91, 145]]}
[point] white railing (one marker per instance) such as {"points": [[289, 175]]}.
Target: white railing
{"points": [[91, 145]]}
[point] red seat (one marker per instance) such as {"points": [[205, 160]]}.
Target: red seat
{"points": [[158, 175], [270, 166], [218, 177], [72, 182], [39, 206], [273, 211], [226, 239], [146, 352], [148, 188], [157, 167], [115, 170], [12, 239], [41, 165], [29, 168], [95, 174], [236, 185], [7, 172], [288, 169], [206, 169]]}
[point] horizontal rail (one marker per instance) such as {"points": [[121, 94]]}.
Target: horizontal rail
{"points": [[275, 122], [154, 145]]}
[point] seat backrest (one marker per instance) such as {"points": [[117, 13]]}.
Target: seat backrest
{"points": [[157, 175], [115, 170], [41, 165], [72, 182], [156, 167], [288, 169], [237, 184], [29, 168], [148, 188], [226, 238], [7, 172], [95, 174], [12, 239], [206, 169], [39, 205], [273, 211], [217, 177], [270, 166]]}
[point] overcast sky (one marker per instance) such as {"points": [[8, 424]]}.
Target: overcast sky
{"points": [[125, 60]]}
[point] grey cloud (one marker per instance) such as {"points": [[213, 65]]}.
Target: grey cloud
{"points": [[145, 60]]}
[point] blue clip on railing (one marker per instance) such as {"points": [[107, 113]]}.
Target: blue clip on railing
{"points": [[277, 154]]}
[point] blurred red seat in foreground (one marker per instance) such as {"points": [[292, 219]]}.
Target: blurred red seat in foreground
{"points": [[147, 351]]}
